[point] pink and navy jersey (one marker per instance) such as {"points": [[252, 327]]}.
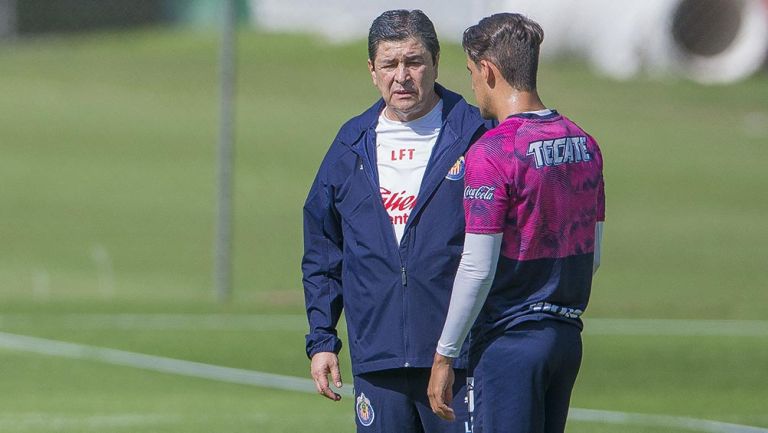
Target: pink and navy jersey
{"points": [[538, 180]]}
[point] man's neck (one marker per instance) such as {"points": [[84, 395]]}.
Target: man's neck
{"points": [[516, 102]]}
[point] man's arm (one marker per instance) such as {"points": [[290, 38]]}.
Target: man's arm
{"points": [[485, 216], [470, 290], [321, 268]]}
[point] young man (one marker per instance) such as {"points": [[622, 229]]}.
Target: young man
{"points": [[383, 232], [534, 206]]}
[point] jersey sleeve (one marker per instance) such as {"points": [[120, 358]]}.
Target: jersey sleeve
{"points": [[486, 189]]}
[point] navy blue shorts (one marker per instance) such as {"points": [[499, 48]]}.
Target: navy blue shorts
{"points": [[523, 379], [395, 401]]}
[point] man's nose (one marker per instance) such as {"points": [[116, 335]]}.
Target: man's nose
{"points": [[401, 73]]}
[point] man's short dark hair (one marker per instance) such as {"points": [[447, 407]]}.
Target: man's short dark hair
{"points": [[511, 42], [399, 25]]}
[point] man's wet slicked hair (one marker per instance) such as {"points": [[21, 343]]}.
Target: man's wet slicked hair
{"points": [[399, 25], [509, 41]]}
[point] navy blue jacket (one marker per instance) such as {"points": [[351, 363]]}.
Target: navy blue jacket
{"points": [[395, 296]]}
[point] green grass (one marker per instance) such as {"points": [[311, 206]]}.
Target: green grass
{"points": [[154, 402], [108, 143]]}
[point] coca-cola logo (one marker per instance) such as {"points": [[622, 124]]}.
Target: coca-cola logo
{"points": [[482, 192], [395, 202]]}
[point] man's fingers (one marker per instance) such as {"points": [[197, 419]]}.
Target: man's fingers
{"points": [[448, 396], [440, 401], [336, 375], [320, 375], [321, 384], [440, 387], [445, 412], [318, 387], [329, 394], [437, 399], [323, 387]]}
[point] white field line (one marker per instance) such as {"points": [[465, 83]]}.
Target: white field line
{"points": [[160, 322], [36, 420], [298, 322], [288, 383], [663, 421], [154, 363], [677, 327]]}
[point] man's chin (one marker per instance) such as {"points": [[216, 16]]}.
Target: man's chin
{"points": [[485, 114], [403, 110]]}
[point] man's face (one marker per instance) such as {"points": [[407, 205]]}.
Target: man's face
{"points": [[480, 89], [405, 75]]}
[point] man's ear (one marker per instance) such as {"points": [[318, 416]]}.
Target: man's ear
{"points": [[437, 61], [372, 71], [489, 72]]}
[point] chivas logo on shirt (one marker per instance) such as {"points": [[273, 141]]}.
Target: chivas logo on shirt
{"points": [[457, 171]]}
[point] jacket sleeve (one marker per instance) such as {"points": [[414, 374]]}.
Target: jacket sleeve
{"points": [[321, 265]]}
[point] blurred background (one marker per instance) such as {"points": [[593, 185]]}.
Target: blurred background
{"points": [[124, 308]]}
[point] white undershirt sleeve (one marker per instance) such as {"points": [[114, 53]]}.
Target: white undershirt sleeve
{"points": [[470, 289], [598, 246]]}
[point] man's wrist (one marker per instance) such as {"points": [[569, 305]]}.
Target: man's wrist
{"points": [[441, 360]]}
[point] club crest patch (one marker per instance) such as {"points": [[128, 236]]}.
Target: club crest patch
{"points": [[457, 171], [364, 410]]}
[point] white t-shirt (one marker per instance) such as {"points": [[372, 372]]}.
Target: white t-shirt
{"points": [[402, 153]]}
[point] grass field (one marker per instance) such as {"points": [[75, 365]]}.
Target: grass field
{"points": [[107, 175]]}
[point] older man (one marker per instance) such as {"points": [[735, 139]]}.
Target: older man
{"points": [[384, 229]]}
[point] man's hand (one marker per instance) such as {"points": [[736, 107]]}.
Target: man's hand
{"points": [[440, 389], [322, 364]]}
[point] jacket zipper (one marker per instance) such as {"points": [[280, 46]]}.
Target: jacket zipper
{"points": [[405, 316], [365, 160]]}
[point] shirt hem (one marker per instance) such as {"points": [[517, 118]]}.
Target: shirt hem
{"points": [[485, 231], [389, 364]]}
